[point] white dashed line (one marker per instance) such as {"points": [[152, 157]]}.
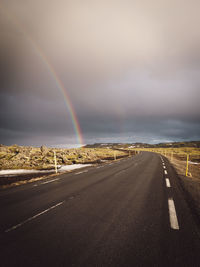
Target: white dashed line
{"points": [[81, 172], [172, 214], [33, 217], [165, 171], [50, 181], [120, 172], [164, 167], [167, 182]]}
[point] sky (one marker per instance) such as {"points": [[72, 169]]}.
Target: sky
{"points": [[131, 70]]}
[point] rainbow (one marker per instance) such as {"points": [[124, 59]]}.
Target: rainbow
{"points": [[51, 69], [60, 86]]}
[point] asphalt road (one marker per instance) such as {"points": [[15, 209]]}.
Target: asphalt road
{"points": [[128, 213]]}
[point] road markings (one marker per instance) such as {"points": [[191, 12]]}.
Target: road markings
{"points": [[172, 214], [164, 167], [165, 171], [81, 172], [51, 181], [33, 217], [167, 182], [119, 172]]}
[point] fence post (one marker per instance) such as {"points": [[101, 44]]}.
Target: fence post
{"points": [[186, 171], [55, 161]]}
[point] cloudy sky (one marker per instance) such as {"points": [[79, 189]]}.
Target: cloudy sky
{"points": [[131, 70]]}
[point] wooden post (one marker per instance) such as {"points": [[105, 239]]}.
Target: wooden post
{"points": [[186, 171], [55, 161]]}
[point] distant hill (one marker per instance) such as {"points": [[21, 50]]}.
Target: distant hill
{"points": [[144, 145]]}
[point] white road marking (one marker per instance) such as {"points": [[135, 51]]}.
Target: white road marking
{"points": [[33, 217], [167, 182], [81, 172], [165, 171], [50, 181], [164, 167], [119, 172], [172, 214]]}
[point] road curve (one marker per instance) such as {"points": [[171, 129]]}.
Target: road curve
{"points": [[131, 212]]}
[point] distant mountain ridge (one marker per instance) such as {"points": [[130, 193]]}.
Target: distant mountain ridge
{"points": [[145, 145]]}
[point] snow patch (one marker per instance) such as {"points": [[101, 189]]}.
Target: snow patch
{"points": [[191, 162], [73, 167], [61, 168]]}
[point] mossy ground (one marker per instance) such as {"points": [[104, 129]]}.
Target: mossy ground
{"points": [[18, 157]]}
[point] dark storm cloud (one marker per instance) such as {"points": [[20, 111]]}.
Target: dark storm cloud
{"points": [[131, 69]]}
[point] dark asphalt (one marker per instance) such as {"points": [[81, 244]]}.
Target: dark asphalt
{"points": [[115, 215]]}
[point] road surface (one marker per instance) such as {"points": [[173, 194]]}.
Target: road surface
{"points": [[131, 212]]}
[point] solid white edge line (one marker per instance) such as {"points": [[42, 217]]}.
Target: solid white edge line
{"points": [[172, 215], [167, 182], [33, 217], [165, 171]]}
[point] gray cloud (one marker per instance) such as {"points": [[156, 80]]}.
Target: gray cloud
{"points": [[131, 69]]}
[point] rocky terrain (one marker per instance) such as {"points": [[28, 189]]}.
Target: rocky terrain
{"points": [[23, 157]]}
